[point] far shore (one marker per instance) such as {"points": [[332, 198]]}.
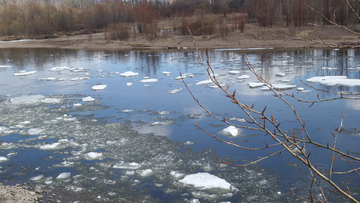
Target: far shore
{"points": [[253, 37]]}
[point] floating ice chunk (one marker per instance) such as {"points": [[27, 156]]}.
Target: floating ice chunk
{"points": [[189, 143], [88, 99], [280, 74], [80, 78], [169, 122], [5, 66], [279, 86], [6, 131], [163, 112], [50, 79], [243, 77], [335, 80], [166, 73], [231, 130], [109, 182], [237, 119], [51, 100], [146, 77], [215, 86], [174, 91], [35, 131], [300, 89], [256, 84], [129, 74], [64, 175], [205, 181], [48, 180], [148, 80], [146, 172], [204, 82], [127, 110], [131, 165], [128, 84], [25, 73], [234, 72], [27, 99], [77, 104], [58, 69], [52, 146], [180, 77], [37, 178], [98, 87], [176, 174], [2, 158], [328, 68], [93, 155]]}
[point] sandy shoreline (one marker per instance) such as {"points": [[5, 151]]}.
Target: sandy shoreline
{"points": [[252, 38]]}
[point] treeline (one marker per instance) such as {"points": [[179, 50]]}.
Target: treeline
{"points": [[120, 18]]}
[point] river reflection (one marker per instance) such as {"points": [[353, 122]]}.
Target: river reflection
{"points": [[146, 124]]}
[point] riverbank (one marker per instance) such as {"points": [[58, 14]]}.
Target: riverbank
{"points": [[252, 37]]}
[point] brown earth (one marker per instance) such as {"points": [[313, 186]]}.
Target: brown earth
{"points": [[253, 37]]}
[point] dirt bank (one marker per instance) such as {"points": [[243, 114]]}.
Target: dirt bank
{"points": [[253, 37]]}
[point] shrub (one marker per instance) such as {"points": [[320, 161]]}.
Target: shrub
{"points": [[118, 31], [204, 24]]}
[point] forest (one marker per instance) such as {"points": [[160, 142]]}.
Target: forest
{"points": [[48, 18]]}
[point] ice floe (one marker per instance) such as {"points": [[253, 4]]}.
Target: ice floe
{"points": [[64, 175], [174, 91], [128, 84], [176, 174], [204, 82], [129, 74], [93, 155], [243, 77], [37, 178], [77, 104], [335, 80], [146, 172], [30, 99], [256, 84], [98, 87], [148, 80], [180, 77], [166, 73], [6, 131], [88, 99], [132, 165], [279, 86], [35, 131], [231, 131], [2, 159], [5, 66], [24, 73], [234, 72], [206, 181], [280, 74]]}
